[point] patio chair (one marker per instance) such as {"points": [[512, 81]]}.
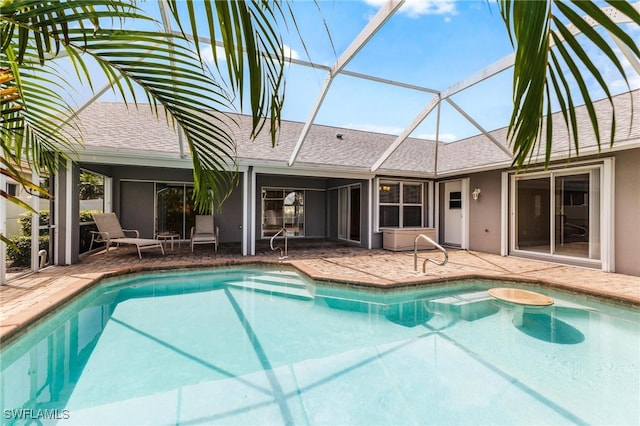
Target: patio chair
{"points": [[205, 231], [110, 232]]}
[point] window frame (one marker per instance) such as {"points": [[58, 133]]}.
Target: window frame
{"points": [[400, 204], [300, 217], [602, 218]]}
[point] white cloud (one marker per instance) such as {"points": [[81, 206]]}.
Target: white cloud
{"points": [[290, 53], [415, 8], [610, 73], [207, 53], [444, 137]]}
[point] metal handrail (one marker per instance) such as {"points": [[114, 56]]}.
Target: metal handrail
{"points": [[424, 264], [283, 253]]}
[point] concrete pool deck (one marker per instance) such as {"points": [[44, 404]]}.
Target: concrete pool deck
{"points": [[24, 300]]}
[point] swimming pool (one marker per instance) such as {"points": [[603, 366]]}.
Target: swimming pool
{"points": [[262, 346]]}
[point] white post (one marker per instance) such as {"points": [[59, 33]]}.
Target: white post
{"points": [[3, 231], [252, 211], [504, 214], [35, 225], [68, 209]]}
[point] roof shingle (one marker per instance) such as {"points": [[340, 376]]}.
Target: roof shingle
{"points": [[114, 126]]}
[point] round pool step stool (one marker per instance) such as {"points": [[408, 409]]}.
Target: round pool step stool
{"points": [[520, 299]]}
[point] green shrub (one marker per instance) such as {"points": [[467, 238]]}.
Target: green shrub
{"points": [[85, 230], [25, 222], [85, 215], [20, 255]]}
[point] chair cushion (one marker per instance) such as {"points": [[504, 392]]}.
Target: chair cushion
{"points": [[108, 222], [204, 238], [204, 224]]}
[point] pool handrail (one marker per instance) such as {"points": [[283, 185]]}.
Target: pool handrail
{"points": [[424, 264], [283, 253]]}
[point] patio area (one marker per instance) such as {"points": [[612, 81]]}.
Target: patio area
{"points": [[25, 299]]}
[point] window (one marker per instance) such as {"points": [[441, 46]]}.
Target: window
{"points": [[400, 204], [12, 189], [455, 200], [282, 208]]}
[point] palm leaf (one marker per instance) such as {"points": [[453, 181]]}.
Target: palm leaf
{"points": [[253, 51], [542, 77], [33, 125], [529, 26], [171, 75]]}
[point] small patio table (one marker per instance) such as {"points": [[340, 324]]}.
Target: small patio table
{"points": [[166, 236]]}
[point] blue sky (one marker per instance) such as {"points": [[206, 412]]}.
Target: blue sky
{"points": [[432, 44], [427, 44]]}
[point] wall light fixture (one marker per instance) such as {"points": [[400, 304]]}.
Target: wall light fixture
{"points": [[476, 193]]}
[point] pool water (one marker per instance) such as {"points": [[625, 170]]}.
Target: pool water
{"points": [[260, 346]]}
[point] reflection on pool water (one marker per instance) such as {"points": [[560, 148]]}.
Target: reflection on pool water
{"points": [[260, 346]]}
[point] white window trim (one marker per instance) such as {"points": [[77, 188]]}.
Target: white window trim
{"points": [[377, 203], [505, 214], [607, 213], [464, 244]]}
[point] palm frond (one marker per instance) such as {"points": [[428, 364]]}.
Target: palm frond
{"points": [[529, 25], [253, 52], [44, 24], [538, 29], [34, 124], [171, 75]]}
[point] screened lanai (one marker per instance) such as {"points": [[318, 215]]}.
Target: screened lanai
{"points": [[377, 93]]}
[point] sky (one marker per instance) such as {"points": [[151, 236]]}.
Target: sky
{"points": [[428, 44], [432, 44]]}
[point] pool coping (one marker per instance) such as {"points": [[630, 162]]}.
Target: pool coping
{"points": [[78, 283]]}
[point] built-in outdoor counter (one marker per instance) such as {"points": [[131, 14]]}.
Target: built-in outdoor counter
{"points": [[402, 239]]}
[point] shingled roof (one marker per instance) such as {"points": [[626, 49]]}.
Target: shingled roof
{"points": [[114, 127]]}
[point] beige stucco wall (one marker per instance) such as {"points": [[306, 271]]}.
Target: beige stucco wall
{"points": [[484, 214], [627, 212]]}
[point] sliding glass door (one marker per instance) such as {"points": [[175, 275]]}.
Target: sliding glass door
{"points": [[558, 213], [282, 208], [174, 209], [578, 215], [349, 213]]}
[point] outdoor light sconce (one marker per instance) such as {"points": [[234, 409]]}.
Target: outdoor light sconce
{"points": [[476, 193]]}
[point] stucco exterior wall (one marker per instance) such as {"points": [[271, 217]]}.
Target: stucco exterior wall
{"points": [[136, 207], [627, 212], [229, 218], [134, 201]]}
